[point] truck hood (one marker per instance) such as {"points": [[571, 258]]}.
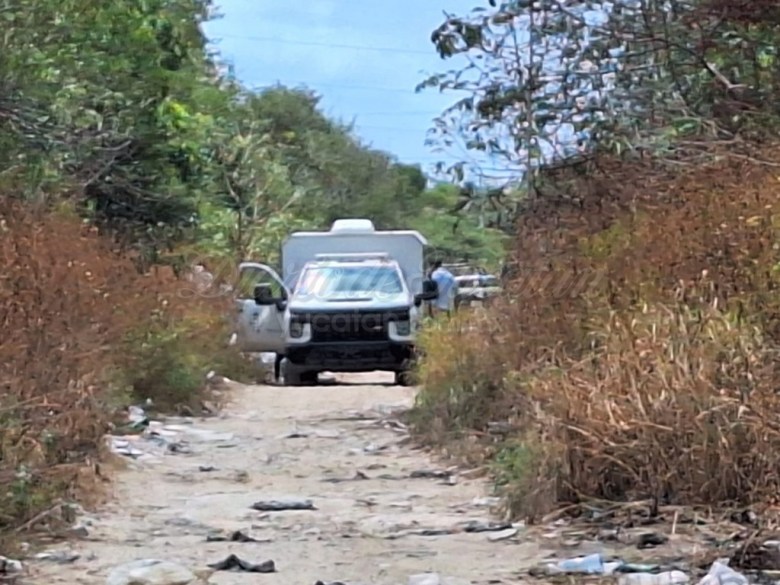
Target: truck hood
{"points": [[352, 301]]}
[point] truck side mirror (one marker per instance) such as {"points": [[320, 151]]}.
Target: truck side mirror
{"points": [[264, 295], [430, 290]]}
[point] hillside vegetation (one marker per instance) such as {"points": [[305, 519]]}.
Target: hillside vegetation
{"points": [[634, 355], [125, 157]]}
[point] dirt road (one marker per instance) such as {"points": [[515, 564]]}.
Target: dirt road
{"points": [[376, 521]]}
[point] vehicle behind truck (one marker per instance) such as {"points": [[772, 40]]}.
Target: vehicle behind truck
{"points": [[348, 300]]}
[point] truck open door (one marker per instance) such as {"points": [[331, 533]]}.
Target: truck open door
{"points": [[260, 303]]}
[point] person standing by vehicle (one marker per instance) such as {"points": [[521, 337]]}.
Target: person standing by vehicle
{"points": [[446, 284]]}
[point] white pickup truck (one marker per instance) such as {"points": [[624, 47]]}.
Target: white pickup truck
{"points": [[348, 300], [474, 285]]}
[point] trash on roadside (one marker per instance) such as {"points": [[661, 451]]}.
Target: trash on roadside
{"points": [[233, 563], [235, 536], [58, 556], [282, 505], [137, 417], [503, 535], [430, 474], [10, 566], [359, 476], [428, 532], [123, 446], [651, 539], [483, 526], [155, 572], [588, 565], [664, 578], [157, 439], [721, 574]]}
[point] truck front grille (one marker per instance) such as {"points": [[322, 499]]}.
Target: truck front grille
{"points": [[335, 327]]}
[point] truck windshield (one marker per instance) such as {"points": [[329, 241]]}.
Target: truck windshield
{"points": [[339, 281]]}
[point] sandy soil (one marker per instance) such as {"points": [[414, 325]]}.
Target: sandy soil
{"points": [[369, 529], [376, 521]]}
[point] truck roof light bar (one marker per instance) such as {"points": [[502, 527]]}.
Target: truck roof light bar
{"points": [[356, 257]]}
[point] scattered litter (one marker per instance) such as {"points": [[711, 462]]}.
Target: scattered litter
{"points": [[430, 474], [720, 573], [204, 435], [391, 424], [233, 563], [482, 526], [503, 535], [665, 578], [235, 536], [589, 565], [10, 566], [282, 505], [58, 556], [122, 446], [488, 502], [421, 532], [359, 476], [373, 448], [179, 448], [651, 539], [78, 531], [207, 468], [157, 439], [630, 573], [137, 417], [154, 572]]}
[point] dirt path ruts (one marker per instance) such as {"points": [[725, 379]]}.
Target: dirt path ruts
{"points": [[165, 508]]}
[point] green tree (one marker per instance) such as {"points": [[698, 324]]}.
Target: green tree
{"points": [[553, 83]]}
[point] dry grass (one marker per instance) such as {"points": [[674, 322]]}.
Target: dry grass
{"points": [[82, 333], [656, 380]]}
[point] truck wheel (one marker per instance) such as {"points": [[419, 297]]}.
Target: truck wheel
{"points": [[404, 378], [309, 378], [291, 376]]}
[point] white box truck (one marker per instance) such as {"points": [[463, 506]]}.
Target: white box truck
{"points": [[348, 300]]}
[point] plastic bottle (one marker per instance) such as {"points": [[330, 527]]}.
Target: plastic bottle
{"points": [[665, 578], [721, 574], [590, 564]]}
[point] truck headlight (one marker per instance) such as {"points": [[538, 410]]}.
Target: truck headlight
{"points": [[296, 329], [403, 328]]}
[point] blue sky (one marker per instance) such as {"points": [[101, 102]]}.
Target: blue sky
{"points": [[364, 58]]}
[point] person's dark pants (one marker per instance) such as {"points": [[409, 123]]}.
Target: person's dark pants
{"points": [[278, 366]]}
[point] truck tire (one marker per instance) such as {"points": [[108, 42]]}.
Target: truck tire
{"points": [[291, 376], [309, 378], [404, 378], [295, 376]]}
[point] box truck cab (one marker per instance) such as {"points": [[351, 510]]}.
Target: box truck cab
{"points": [[348, 300]]}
